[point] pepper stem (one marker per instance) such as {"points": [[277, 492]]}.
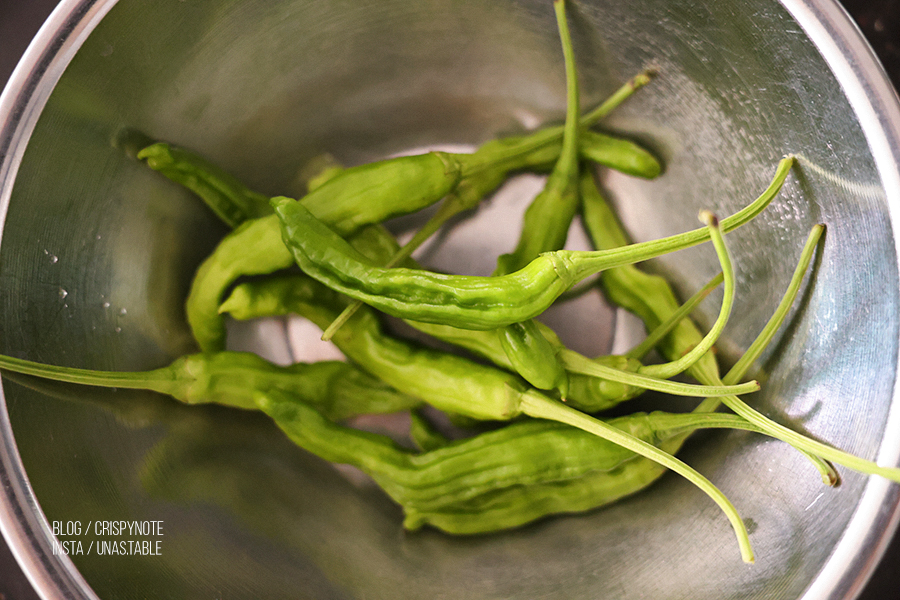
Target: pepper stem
{"points": [[664, 328], [159, 380], [672, 368], [448, 209], [541, 407], [826, 470], [577, 363], [739, 369], [600, 260]]}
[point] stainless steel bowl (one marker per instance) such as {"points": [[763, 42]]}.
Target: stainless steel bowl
{"points": [[97, 253]]}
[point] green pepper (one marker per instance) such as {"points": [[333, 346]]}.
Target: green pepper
{"points": [[482, 393], [549, 216], [444, 380], [545, 227], [602, 475], [509, 470], [650, 297], [617, 153], [336, 388], [533, 357], [470, 302], [229, 199]]}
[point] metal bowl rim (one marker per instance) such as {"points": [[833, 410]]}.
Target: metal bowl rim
{"points": [[832, 32]]}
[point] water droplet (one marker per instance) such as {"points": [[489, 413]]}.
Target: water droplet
{"points": [[118, 330], [106, 305], [62, 293], [123, 312], [54, 259]]}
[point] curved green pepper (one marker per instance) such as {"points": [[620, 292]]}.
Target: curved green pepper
{"points": [[470, 301], [338, 389], [508, 471], [447, 381]]}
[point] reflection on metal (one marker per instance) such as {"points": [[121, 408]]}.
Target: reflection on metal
{"points": [[262, 87], [869, 191]]}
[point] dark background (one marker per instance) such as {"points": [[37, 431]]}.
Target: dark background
{"points": [[879, 21]]}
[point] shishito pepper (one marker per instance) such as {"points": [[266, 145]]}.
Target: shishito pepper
{"points": [[354, 198], [471, 302], [545, 227], [337, 389], [439, 378], [358, 196], [498, 479]]}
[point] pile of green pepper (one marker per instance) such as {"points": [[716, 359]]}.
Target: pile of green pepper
{"points": [[549, 449]]}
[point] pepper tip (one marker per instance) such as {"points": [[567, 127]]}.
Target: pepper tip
{"points": [[708, 218]]}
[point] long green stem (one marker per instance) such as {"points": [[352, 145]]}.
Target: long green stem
{"points": [[765, 337], [618, 97], [548, 218], [158, 380], [826, 470], [777, 430], [632, 253], [549, 135], [536, 406], [809, 445], [672, 368], [628, 284], [664, 328], [577, 363], [567, 164], [739, 369], [541, 407]]}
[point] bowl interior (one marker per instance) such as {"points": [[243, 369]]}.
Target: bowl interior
{"points": [[97, 255]]}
